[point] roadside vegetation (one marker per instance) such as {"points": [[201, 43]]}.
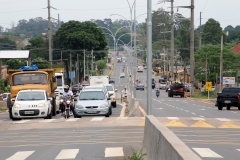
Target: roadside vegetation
{"points": [[204, 95], [136, 155]]}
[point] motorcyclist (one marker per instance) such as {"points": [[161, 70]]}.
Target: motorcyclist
{"points": [[157, 92], [66, 93], [124, 94]]}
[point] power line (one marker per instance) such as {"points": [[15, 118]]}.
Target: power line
{"points": [[205, 6]]}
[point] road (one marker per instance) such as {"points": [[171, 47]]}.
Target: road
{"points": [[207, 131], [86, 138]]}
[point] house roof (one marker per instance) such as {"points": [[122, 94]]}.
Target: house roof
{"points": [[15, 54], [236, 49]]}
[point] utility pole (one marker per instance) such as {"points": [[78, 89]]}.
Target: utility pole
{"points": [[61, 54], [49, 34], [58, 22], [221, 64], [172, 39], [200, 37], [77, 70], [206, 69], [84, 72], [71, 68], [92, 62], [135, 47], [149, 57], [192, 49], [184, 73]]}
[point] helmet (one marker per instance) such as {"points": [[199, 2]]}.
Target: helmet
{"points": [[66, 88]]}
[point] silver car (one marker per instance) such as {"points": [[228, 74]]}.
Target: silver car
{"points": [[92, 102]]}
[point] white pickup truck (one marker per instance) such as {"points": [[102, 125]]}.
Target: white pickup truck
{"points": [[112, 94]]}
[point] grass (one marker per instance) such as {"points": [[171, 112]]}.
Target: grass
{"points": [[136, 155], [3, 108], [204, 95]]}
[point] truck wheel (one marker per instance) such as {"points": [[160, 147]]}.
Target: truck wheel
{"points": [[238, 107], [220, 107], [10, 113], [114, 104], [54, 107], [228, 107]]}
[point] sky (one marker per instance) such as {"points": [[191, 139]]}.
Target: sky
{"points": [[226, 12]]}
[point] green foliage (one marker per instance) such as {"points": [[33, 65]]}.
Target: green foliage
{"points": [[3, 88], [16, 63], [7, 44], [101, 65], [41, 63], [212, 32], [136, 155], [75, 35], [59, 65], [230, 63]]}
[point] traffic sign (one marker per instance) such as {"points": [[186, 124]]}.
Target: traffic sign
{"points": [[208, 86]]}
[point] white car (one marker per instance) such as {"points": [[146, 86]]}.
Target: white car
{"points": [[32, 104], [5, 96], [122, 75], [162, 85], [112, 94], [93, 102]]}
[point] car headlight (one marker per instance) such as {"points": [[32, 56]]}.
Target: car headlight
{"points": [[68, 102], [41, 105], [103, 106], [79, 107], [17, 106]]}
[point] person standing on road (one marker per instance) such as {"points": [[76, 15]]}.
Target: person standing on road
{"points": [[124, 93]]}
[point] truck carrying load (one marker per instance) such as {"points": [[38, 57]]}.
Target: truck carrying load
{"points": [[96, 80], [29, 78]]}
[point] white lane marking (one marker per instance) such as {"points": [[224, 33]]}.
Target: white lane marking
{"points": [[97, 119], [198, 118], [21, 155], [186, 110], [173, 118], [47, 120], [67, 154], [206, 152], [123, 110], [223, 119], [202, 109], [238, 150], [114, 152], [202, 116], [193, 113], [72, 120], [181, 109], [22, 121], [159, 108], [233, 112], [121, 118]]}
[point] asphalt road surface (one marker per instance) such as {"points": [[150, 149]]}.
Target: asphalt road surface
{"points": [[210, 133]]}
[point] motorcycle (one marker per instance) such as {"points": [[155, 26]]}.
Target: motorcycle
{"points": [[67, 107], [157, 93]]}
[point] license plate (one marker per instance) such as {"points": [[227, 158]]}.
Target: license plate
{"points": [[29, 112], [227, 101], [91, 111]]}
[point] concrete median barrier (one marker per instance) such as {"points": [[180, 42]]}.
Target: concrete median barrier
{"points": [[162, 144]]}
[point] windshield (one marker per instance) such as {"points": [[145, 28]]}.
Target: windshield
{"points": [[59, 81], [109, 88], [19, 79], [24, 96], [84, 82], [92, 95]]}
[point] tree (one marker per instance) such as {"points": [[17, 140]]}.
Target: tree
{"points": [[101, 65], [212, 32], [16, 63], [41, 63], [7, 44]]}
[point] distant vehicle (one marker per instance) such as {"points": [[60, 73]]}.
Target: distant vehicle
{"points": [[162, 85], [76, 88], [139, 86], [176, 89], [122, 75], [153, 83], [111, 80], [145, 66], [31, 104], [97, 80], [85, 83], [140, 69], [5, 96], [187, 88]]}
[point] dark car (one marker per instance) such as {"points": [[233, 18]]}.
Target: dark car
{"points": [[111, 80], [76, 88], [176, 89], [139, 86], [153, 83], [229, 97]]}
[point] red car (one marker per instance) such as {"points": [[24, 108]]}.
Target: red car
{"points": [[85, 83]]}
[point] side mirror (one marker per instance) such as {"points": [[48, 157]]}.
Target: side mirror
{"points": [[50, 99], [115, 90], [108, 98], [61, 93], [54, 79], [13, 99]]}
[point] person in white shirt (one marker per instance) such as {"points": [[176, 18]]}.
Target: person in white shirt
{"points": [[124, 93], [66, 93]]}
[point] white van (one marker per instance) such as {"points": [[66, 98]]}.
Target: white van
{"points": [[140, 69], [97, 80]]}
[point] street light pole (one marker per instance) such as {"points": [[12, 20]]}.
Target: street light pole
{"points": [[135, 47], [172, 40], [149, 57], [192, 49], [221, 64]]}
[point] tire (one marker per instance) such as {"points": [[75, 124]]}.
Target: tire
{"points": [[228, 107], [67, 114], [54, 107], [114, 104], [10, 113], [220, 107], [238, 107], [108, 114], [49, 116], [78, 116], [110, 111]]}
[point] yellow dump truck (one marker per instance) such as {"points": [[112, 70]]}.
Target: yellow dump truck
{"points": [[40, 79]]}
